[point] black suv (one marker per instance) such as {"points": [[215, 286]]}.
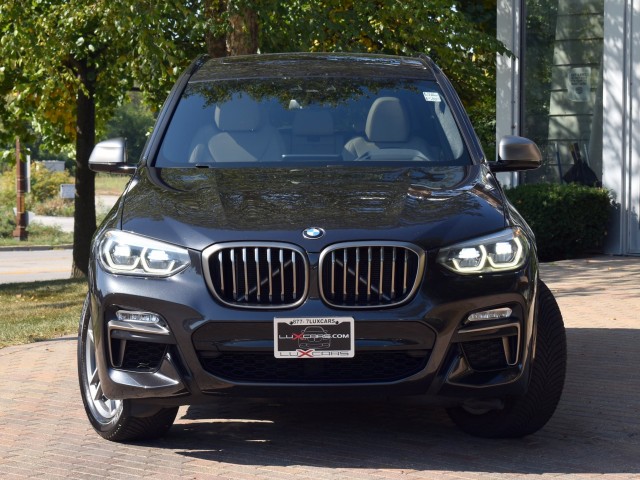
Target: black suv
{"points": [[282, 197]]}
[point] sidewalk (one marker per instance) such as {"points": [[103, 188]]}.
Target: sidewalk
{"points": [[595, 432]]}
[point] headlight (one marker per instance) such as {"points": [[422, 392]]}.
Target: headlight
{"points": [[128, 254], [503, 251]]}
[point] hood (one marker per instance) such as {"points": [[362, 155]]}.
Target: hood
{"points": [[430, 207]]}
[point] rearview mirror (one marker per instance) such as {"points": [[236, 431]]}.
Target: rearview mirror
{"points": [[111, 156], [516, 154]]}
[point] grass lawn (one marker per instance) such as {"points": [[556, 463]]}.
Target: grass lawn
{"points": [[38, 311], [110, 184], [40, 235]]}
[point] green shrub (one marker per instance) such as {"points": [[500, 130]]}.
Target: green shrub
{"points": [[8, 188], [49, 235], [56, 207], [567, 220], [45, 185], [44, 198], [7, 221]]}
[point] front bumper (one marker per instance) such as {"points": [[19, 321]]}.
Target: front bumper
{"points": [[204, 349]]}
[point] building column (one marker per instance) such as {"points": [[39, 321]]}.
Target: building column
{"points": [[621, 131], [509, 25]]}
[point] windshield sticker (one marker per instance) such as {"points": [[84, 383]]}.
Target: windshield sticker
{"points": [[431, 96]]}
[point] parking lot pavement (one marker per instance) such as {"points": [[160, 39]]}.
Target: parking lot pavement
{"points": [[595, 432]]}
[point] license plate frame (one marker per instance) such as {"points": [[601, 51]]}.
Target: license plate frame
{"points": [[313, 337]]}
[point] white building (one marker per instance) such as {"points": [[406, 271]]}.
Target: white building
{"points": [[573, 86]]}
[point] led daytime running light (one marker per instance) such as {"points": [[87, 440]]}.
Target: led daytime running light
{"points": [[138, 317], [495, 314]]}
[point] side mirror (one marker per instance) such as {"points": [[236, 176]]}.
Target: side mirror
{"points": [[516, 154], [111, 156]]}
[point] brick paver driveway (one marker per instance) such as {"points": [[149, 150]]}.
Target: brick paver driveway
{"points": [[595, 431]]}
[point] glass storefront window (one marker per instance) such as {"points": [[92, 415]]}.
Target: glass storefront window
{"points": [[562, 88]]}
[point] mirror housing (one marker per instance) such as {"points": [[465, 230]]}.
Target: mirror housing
{"points": [[111, 156], [516, 154]]}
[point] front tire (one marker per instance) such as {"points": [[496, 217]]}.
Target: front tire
{"points": [[111, 418], [527, 414]]}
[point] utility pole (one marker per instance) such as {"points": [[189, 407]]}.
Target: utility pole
{"points": [[20, 231]]}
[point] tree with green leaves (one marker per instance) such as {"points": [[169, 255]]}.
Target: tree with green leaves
{"points": [[68, 63], [459, 36], [132, 120]]}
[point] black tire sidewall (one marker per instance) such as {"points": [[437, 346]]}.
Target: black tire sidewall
{"points": [[526, 414]]}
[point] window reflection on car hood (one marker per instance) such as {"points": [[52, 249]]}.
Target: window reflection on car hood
{"points": [[196, 207]]}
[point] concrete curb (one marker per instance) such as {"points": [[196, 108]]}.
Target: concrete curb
{"points": [[15, 248]]}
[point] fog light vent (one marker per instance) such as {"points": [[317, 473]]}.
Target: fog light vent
{"points": [[139, 356], [485, 355]]}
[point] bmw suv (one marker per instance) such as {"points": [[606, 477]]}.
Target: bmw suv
{"points": [[346, 194]]}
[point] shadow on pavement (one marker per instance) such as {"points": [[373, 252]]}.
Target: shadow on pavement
{"points": [[595, 430]]}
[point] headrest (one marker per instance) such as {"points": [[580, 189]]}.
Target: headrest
{"points": [[312, 122], [240, 114], [387, 121]]}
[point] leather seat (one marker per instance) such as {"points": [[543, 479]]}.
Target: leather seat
{"points": [[387, 127], [242, 135]]}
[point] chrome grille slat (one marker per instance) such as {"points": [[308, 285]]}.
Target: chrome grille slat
{"points": [[270, 277], [295, 290], [370, 256], [257, 260], [404, 282], [381, 273], [246, 276], [356, 277], [344, 272], [257, 275], [281, 257], [235, 278], [392, 274], [221, 271], [333, 273]]}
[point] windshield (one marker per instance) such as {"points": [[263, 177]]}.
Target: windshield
{"points": [[311, 121]]}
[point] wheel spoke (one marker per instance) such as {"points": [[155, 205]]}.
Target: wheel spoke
{"points": [[103, 409], [95, 379], [98, 395]]}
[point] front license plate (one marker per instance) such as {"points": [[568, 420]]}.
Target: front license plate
{"points": [[316, 337]]}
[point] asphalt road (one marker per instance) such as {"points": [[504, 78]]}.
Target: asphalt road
{"points": [[37, 265], [34, 265]]}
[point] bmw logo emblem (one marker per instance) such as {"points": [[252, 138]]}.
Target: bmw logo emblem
{"points": [[313, 233]]}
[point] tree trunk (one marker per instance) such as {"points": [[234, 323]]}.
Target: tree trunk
{"points": [[237, 36], [84, 222], [215, 37], [242, 39]]}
